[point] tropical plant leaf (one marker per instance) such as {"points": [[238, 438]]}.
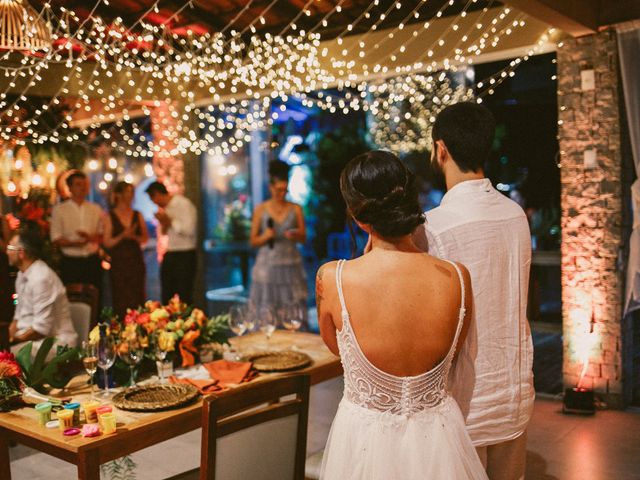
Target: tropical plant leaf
{"points": [[41, 356], [24, 359], [54, 374]]}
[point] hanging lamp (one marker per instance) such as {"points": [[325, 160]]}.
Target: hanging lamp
{"points": [[22, 28]]}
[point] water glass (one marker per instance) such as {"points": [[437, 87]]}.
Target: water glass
{"points": [[237, 319], [292, 317], [130, 352], [267, 321]]}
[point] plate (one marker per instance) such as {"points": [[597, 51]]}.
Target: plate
{"points": [[278, 361], [150, 398]]}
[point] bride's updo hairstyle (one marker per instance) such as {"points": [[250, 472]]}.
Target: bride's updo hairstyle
{"points": [[380, 191]]}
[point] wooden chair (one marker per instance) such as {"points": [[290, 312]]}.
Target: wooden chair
{"points": [[257, 431], [83, 307]]}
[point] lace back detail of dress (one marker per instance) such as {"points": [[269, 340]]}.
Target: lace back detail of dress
{"points": [[369, 387]]}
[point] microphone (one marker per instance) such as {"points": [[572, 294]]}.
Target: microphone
{"points": [[270, 225]]}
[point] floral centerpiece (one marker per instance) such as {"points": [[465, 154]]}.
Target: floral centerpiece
{"points": [[11, 382], [177, 327]]}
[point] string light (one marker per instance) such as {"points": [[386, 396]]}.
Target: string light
{"points": [[154, 63]]}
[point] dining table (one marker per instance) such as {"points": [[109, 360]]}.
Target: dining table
{"points": [[139, 430]]}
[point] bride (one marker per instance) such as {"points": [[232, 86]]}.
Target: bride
{"points": [[396, 316]]}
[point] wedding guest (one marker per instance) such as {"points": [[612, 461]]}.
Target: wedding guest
{"points": [[396, 316], [277, 226], [124, 233], [6, 287], [178, 220], [42, 309], [487, 232], [76, 227]]}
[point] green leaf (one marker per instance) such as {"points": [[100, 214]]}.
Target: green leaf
{"points": [[41, 356], [24, 359], [54, 374]]}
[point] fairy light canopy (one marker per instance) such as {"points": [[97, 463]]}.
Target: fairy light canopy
{"points": [[121, 59]]}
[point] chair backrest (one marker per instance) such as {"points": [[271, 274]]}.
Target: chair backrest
{"points": [[81, 320], [256, 432], [88, 294]]}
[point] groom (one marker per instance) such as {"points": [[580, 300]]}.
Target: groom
{"points": [[488, 233]]}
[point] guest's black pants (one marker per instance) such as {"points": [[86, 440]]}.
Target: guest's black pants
{"points": [[177, 275], [82, 270]]}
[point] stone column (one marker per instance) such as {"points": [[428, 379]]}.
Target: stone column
{"points": [[592, 214]]}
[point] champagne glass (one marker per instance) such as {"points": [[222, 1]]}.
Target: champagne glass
{"points": [[106, 358], [90, 360], [267, 321], [292, 317], [237, 319], [131, 352]]}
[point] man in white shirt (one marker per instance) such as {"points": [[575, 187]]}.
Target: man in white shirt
{"points": [[76, 227], [488, 233], [42, 309], [178, 219]]}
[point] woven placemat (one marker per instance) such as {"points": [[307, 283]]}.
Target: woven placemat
{"points": [[278, 361], [155, 397]]}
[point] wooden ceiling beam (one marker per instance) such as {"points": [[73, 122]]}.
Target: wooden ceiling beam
{"points": [[618, 11], [575, 17]]}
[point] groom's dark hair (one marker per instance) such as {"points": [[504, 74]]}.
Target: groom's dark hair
{"points": [[467, 129]]}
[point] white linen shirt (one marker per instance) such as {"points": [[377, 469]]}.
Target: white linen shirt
{"points": [[492, 379], [43, 305], [184, 217], [67, 218]]}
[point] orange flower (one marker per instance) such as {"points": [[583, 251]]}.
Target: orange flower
{"points": [[9, 368], [188, 349]]}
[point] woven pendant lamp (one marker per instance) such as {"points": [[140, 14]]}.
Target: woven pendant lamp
{"points": [[22, 28]]}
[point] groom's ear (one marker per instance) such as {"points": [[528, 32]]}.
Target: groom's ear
{"points": [[441, 152]]}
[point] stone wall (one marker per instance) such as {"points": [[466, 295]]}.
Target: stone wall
{"points": [[592, 215]]}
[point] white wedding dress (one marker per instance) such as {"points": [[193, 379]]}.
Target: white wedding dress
{"points": [[396, 428]]}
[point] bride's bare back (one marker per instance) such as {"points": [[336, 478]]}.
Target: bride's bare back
{"points": [[403, 308]]}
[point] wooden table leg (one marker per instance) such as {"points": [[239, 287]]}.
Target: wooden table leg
{"points": [[88, 465], [5, 462]]}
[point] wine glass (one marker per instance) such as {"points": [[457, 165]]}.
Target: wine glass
{"points": [[267, 321], [238, 320], [160, 352], [250, 316], [106, 358], [90, 360], [292, 317], [130, 352]]}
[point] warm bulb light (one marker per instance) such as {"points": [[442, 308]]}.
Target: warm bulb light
{"points": [[128, 178], [93, 165], [108, 177], [113, 163], [36, 180], [51, 168], [102, 185], [12, 189], [148, 170]]}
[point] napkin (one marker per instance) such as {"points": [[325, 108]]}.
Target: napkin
{"points": [[203, 386], [228, 372]]}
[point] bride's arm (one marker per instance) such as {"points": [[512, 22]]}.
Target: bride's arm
{"points": [[324, 290]]}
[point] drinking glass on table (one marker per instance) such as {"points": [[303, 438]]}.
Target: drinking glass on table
{"points": [[292, 317], [106, 357], [131, 352], [160, 351], [238, 319], [267, 321], [90, 360]]}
